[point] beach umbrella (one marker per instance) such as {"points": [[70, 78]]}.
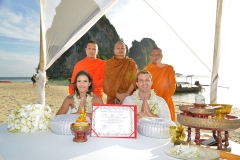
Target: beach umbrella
{"points": [[62, 23]]}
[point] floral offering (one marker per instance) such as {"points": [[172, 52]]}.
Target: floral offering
{"points": [[29, 118], [186, 151]]}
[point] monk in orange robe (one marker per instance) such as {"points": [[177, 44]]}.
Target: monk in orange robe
{"points": [[94, 66], [119, 75], [164, 80]]}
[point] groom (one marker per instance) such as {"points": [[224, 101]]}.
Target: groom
{"points": [[148, 103]]}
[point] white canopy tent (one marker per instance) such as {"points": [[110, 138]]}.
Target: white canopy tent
{"points": [[63, 22]]}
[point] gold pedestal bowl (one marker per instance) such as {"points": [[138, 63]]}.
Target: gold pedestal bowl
{"points": [[80, 132], [221, 110]]}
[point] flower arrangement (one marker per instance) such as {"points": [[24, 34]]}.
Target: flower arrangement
{"points": [[152, 102], [177, 133], [29, 118]]}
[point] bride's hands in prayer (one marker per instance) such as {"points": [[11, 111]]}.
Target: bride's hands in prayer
{"points": [[82, 104]]}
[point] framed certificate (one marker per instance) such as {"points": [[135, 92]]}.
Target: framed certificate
{"points": [[114, 120]]}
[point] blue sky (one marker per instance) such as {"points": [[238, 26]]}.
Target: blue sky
{"points": [[133, 20], [19, 37]]}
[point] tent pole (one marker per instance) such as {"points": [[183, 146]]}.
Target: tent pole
{"points": [[217, 54], [41, 71], [41, 58]]}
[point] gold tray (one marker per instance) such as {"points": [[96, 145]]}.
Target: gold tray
{"points": [[230, 123]]}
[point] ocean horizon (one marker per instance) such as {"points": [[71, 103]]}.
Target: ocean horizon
{"points": [[16, 79], [226, 92]]}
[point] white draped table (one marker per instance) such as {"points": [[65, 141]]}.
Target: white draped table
{"points": [[45, 145]]}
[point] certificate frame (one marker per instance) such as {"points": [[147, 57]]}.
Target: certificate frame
{"points": [[114, 120]]}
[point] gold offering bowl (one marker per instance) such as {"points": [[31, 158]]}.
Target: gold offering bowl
{"points": [[80, 132], [221, 110]]}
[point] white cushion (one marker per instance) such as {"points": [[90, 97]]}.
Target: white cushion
{"points": [[60, 124], [154, 127]]}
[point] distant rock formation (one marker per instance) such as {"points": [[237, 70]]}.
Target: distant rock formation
{"points": [[105, 35], [140, 51], [102, 32]]}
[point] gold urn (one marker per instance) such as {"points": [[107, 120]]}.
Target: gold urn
{"points": [[80, 132], [80, 127], [221, 110]]}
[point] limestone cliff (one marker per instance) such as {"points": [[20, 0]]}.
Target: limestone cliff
{"points": [[140, 51], [103, 33]]}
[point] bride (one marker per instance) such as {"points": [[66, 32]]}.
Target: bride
{"points": [[82, 97]]}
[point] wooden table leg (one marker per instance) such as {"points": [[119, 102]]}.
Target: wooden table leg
{"points": [[226, 144], [214, 135], [219, 136], [197, 136], [189, 134]]}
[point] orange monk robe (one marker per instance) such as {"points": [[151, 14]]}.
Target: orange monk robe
{"points": [[164, 84], [95, 67], [118, 76]]}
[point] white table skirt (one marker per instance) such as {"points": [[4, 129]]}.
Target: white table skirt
{"points": [[45, 145]]}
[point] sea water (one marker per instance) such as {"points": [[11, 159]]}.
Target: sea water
{"points": [[56, 81], [227, 90], [16, 79]]}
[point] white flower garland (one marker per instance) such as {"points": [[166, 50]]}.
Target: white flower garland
{"points": [[152, 102], [77, 101], [29, 118]]}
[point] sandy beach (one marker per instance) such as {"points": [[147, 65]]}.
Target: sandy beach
{"points": [[19, 93]]}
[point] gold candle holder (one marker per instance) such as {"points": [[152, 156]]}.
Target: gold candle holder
{"points": [[80, 127]]}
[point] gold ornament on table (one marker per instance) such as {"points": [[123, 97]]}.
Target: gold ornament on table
{"points": [[221, 110], [80, 127], [81, 121], [178, 135]]}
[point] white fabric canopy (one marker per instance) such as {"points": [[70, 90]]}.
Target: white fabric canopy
{"points": [[178, 21], [63, 22], [222, 16]]}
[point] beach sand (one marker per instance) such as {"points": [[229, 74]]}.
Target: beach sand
{"points": [[19, 93]]}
